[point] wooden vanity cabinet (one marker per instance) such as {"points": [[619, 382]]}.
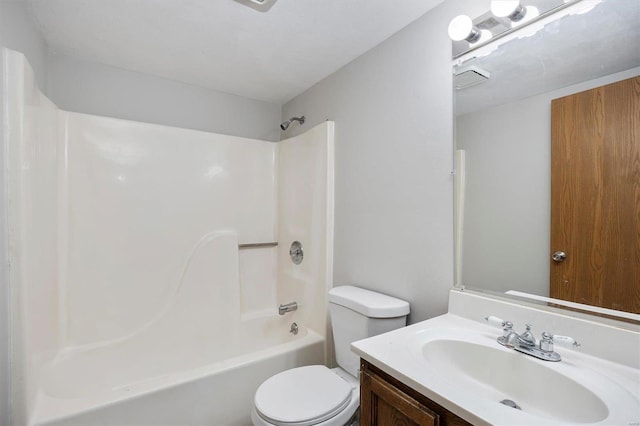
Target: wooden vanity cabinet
{"points": [[385, 401]]}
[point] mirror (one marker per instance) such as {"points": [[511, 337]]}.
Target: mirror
{"points": [[502, 137]]}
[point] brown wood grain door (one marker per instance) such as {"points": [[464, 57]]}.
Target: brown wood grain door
{"points": [[595, 196]]}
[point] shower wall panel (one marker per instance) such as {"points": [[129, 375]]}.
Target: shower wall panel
{"points": [[305, 214], [141, 198], [32, 126]]}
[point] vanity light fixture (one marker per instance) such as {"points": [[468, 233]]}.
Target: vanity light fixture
{"points": [[505, 18]]}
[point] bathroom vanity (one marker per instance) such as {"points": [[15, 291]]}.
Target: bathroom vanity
{"points": [[385, 400], [450, 370]]}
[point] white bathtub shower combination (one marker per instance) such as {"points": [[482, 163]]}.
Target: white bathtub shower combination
{"points": [[133, 301]]}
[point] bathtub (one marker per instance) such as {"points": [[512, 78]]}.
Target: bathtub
{"points": [[150, 381], [134, 299]]}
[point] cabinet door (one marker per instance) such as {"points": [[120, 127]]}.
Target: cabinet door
{"points": [[383, 405]]}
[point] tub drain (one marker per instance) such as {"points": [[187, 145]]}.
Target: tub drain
{"points": [[510, 403]]}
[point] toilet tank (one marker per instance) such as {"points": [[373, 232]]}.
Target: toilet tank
{"points": [[356, 314]]}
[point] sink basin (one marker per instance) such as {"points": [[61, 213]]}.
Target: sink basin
{"points": [[457, 363], [497, 374]]}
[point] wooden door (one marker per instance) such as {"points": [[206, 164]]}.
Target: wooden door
{"points": [[595, 196]]}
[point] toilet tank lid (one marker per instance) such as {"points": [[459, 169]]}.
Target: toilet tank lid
{"points": [[368, 303]]}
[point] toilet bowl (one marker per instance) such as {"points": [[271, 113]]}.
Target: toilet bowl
{"points": [[311, 395], [315, 394]]}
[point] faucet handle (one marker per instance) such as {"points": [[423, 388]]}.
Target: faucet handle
{"points": [[496, 322], [507, 326], [508, 335], [566, 340], [548, 339], [546, 344]]}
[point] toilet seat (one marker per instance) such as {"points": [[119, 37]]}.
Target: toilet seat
{"points": [[302, 396]]}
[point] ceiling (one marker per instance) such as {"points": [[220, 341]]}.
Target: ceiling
{"points": [[576, 48], [271, 55]]}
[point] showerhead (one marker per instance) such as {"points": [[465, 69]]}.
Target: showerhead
{"points": [[285, 124]]}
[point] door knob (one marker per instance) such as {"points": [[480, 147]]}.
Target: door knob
{"points": [[559, 256]]}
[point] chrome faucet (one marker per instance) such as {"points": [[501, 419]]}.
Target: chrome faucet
{"points": [[289, 307], [526, 342], [527, 338]]}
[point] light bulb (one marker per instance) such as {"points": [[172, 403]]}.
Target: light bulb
{"points": [[531, 13], [511, 9], [461, 28], [484, 36]]}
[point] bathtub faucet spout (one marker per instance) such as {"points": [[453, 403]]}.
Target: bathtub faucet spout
{"points": [[289, 307]]}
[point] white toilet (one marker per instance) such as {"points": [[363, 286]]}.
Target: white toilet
{"points": [[317, 395]]}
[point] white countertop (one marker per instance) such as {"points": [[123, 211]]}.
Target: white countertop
{"points": [[399, 354]]}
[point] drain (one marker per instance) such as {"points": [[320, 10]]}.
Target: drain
{"points": [[510, 403]]}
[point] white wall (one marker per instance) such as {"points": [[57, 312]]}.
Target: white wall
{"points": [[508, 185], [17, 32], [4, 268], [394, 189], [81, 86], [93, 88]]}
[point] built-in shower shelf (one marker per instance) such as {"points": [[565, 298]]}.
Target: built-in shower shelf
{"points": [[257, 245]]}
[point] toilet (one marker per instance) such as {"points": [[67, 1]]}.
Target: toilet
{"points": [[315, 394]]}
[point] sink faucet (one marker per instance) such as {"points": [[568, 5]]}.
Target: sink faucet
{"points": [[527, 338], [509, 337], [526, 342]]}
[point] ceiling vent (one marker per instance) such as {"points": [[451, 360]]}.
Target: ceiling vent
{"points": [[470, 76], [259, 5]]}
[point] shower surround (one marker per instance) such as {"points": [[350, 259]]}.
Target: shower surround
{"points": [[131, 301]]}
